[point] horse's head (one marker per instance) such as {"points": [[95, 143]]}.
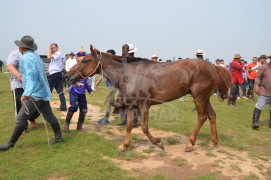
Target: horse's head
{"points": [[88, 67]]}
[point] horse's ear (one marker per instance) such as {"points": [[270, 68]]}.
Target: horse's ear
{"points": [[92, 49]]}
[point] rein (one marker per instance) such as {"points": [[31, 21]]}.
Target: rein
{"points": [[99, 63]]}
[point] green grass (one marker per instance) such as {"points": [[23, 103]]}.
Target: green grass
{"points": [[233, 124], [80, 157]]}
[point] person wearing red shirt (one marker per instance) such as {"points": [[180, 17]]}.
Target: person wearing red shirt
{"points": [[236, 69], [251, 75]]}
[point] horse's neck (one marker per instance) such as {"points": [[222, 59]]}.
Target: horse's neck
{"points": [[112, 71]]}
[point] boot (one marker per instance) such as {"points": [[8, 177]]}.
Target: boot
{"points": [[68, 120], [234, 100], [58, 134], [256, 115], [13, 139], [230, 100], [81, 120], [270, 120]]}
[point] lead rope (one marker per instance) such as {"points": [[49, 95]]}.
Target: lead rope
{"points": [[27, 112]]}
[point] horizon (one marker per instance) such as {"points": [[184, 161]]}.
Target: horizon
{"points": [[167, 29]]}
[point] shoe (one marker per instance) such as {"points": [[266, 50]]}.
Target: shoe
{"points": [[103, 121], [244, 97], [58, 109], [33, 123], [121, 123], [24, 132], [238, 97], [6, 146]]}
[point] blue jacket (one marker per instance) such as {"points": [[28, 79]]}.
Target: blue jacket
{"points": [[34, 79]]}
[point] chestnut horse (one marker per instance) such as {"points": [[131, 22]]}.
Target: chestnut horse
{"points": [[144, 83]]}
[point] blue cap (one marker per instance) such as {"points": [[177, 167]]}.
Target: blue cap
{"points": [[80, 54]]}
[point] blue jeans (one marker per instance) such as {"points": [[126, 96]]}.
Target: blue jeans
{"points": [[78, 100], [244, 88], [55, 81]]}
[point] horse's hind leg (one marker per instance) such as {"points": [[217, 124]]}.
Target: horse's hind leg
{"points": [[212, 118], [202, 117], [145, 129], [130, 121]]}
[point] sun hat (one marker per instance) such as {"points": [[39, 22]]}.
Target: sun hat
{"points": [[200, 52], [262, 56], [131, 48], [237, 56], [154, 56], [27, 42]]}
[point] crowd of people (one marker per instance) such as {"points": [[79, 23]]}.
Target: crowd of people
{"points": [[32, 87]]}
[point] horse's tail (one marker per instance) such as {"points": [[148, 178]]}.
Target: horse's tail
{"points": [[224, 81]]}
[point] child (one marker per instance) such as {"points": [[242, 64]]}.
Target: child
{"points": [[78, 98]]}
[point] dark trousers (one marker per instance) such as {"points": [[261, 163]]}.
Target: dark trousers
{"points": [[22, 117], [55, 81], [78, 100], [250, 84], [234, 89], [17, 94]]}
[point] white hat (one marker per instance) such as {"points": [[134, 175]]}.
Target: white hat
{"points": [[154, 56], [200, 52], [132, 48]]}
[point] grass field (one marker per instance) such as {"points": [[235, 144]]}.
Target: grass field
{"points": [[81, 156]]}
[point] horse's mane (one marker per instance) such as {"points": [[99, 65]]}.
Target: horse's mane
{"points": [[126, 59]]}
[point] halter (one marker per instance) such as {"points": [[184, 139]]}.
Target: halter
{"points": [[99, 63]]}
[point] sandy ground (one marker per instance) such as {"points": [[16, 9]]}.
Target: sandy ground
{"points": [[173, 163]]}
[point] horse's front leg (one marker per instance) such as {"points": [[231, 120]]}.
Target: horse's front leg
{"points": [[145, 129], [202, 117], [130, 121]]}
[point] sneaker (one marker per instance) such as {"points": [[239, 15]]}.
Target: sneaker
{"points": [[58, 109], [33, 123], [121, 123], [103, 121], [238, 97], [244, 97]]}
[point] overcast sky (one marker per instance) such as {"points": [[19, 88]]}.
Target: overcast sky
{"points": [[172, 28]]}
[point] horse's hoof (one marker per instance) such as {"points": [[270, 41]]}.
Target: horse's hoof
{"points": [[122, 148], [210, 147], [160, 145], [188, 148]]}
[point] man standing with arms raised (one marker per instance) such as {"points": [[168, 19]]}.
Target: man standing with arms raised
{"points": [[55, 74]]}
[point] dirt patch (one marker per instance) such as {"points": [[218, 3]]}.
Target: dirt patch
{"points": [[146, 160]]}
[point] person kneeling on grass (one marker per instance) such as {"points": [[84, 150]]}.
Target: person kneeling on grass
{"points": [[78, 98], [36, 94]]}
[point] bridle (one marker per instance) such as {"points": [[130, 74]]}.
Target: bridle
{"points": [[93, 72]]}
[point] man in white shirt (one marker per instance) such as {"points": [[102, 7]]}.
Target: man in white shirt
{"points": [[55, 74], [70, 62]]}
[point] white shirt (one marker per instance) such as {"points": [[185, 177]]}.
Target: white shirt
{"points": [[56, 63], [257, 67], [70, 63]]}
